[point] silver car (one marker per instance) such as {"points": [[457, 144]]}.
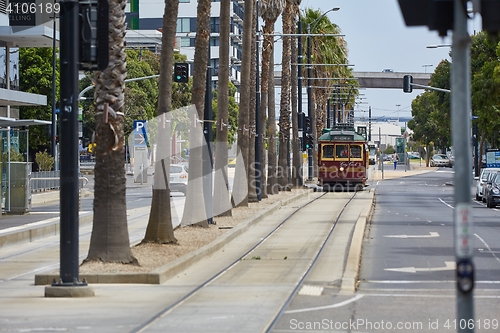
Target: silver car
{"points": [[440, 160], [483, 177]]}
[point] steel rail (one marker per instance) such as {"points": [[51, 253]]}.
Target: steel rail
{"points": [[148, 323]]}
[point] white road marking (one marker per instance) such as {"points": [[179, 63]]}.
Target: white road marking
{"points": [[450, 265], [311, 290], [332, 306], [447, 204], [432, 234], [424, 281], [488, 247]]}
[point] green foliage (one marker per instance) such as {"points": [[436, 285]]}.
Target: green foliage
{"points": [[35, 76], [15, 156], [389, 150], [44, 160], [233, 114], [141, 97]]}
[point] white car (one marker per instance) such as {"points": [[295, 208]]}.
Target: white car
{"points": [[178, 178], [481, 180]]}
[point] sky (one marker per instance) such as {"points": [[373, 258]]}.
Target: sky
{"points": [[378, 39]]}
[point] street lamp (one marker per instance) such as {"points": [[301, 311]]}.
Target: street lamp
{"points": [[398, 105], [437, 46], [309, 90], [425, 67]]}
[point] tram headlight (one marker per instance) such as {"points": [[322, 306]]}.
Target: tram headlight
{"points": [[341, 169]]}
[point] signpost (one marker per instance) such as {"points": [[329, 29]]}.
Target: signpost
{"points": [[141, 159]]}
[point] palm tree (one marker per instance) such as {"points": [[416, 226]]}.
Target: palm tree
{"points": [[109, 241], [269, 10], [252, 189], [284, 120], [194, 197], [159, 229], [325, 50], [242, 173], [221, 192]]}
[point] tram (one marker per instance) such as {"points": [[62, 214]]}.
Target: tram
{"points": [[343, 159]]}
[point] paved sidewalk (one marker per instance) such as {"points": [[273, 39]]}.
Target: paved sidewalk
{"points": [[43, 218]]}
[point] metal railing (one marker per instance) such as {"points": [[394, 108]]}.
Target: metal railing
{"points": [[49, 180]]}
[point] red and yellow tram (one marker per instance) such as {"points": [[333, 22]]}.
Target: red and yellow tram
{"points": [[343, 159]]}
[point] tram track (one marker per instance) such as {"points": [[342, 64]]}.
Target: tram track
{"points": [[263, 258]]}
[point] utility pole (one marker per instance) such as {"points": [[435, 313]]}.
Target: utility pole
{"points": [[310, 112], [461, 123], [69, 284], [207, 156], [302, 135]]}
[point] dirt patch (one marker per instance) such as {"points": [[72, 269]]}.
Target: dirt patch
{"points": [[189, 239]]}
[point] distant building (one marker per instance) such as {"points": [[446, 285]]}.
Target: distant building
{"points": [[148, 16], [383, 134]]}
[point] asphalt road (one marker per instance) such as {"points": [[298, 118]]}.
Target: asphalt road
{"points": [[407, 276]]}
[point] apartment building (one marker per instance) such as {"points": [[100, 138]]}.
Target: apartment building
{"points": [[146, 18]]}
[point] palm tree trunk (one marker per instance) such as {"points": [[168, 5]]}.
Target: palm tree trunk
{"points": [[284, 121], [264, 88], [242, 173], [109, 241], [194, 197], [252, 190], [273, 186], [160, 229], [222, 205]]}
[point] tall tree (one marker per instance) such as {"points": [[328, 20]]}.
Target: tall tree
{"points": [[242, 172], [109, 241], [35, 76], [423, 125], [284, 119], [221, 190], [195, 196], [159, 229], [269, 10], [252, 188]]}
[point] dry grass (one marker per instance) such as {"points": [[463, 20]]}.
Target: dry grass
{"points": [[189, 239]]}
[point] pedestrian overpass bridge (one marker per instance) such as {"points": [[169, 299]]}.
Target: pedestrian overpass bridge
{"points": [[381, 80]]}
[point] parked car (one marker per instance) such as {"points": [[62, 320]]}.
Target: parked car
{"points": [[178, 178], [481, 181], [492, 190], [440, 160], [488, 180]]}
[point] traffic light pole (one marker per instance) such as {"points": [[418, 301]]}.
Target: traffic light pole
{"points": [[302, 137], [309, 104], [461, 123], [69, 196]]}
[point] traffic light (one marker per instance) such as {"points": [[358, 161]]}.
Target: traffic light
{"points": [[407, 81], [439, 14], [302, 120], [181, 72], [435, 14], [309, 141], [94, 34], [465, 275], [307, 125]]}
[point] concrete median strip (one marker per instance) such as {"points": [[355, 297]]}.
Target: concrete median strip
{"points": [[173, 268], [351, 272], [37, 230]]}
